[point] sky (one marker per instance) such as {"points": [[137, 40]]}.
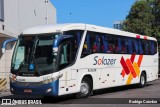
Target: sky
{"points": [[97, 12]]}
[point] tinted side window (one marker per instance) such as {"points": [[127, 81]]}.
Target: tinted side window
{"points": [[135, 46], [114, 44], [65, 57], [147, 48], [125, 45], [94, 43], [143, 46], [130, 46], [104, 47], [111, 44], [140, 46], [118, 45], [153, 46], [121, 45], [77, 36], [86, 46]]}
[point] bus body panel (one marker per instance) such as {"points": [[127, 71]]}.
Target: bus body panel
{"points": [[36, 90], [106, 70], [115, 71]]}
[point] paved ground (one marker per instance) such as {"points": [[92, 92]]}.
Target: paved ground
{"points": [[111, 97]]}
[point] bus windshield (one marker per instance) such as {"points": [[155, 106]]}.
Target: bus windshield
{"points": [[36, 50]]}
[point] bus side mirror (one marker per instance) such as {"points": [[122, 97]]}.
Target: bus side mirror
{"points": [[6, 42]]}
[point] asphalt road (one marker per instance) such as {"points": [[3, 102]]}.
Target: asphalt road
{"points": [[111, 97]]}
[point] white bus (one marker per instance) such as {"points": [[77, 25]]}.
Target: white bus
{"points": [[55, 60]]}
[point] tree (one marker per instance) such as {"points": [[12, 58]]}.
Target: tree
{"points": [[144, 18], [156, 13]]}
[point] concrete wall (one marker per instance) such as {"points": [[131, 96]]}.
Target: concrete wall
{"points": [[20, 15]]}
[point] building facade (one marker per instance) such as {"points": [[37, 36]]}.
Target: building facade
{"points": [[15, 16], [118, 25]]}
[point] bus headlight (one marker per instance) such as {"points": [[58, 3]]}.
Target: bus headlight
{"points": [[13, 78], [49, 90], [12, 89], [51, 79], [48, 81]]}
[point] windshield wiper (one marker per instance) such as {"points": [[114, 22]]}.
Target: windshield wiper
{"points": [[33, 50]]}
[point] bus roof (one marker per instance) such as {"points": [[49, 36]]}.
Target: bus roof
{"points": [[54, 28], [59, 28]]}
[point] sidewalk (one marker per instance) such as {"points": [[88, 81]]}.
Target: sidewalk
{"points": [[2, 94]]}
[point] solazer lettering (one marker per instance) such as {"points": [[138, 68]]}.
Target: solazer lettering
{"points": [[103, 61]]}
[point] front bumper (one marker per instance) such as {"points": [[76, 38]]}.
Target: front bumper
{"points": [[36, 90]]}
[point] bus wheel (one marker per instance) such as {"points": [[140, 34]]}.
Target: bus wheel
{"points": [[85, 88], [142, 81]]}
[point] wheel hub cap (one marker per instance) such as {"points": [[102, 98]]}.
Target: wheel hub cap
{"points": [[142, 80], [84, 88]]}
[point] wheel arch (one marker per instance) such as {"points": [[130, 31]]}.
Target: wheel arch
{"points": [[89, 76], [145, 73]]}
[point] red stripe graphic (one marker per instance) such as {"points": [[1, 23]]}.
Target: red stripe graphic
{"points": [[124, 65], [140, 60], [132, 60], [123, 73], [132, 57], [130, 67], [129, 63]]}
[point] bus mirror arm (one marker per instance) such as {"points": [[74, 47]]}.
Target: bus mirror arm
{"points": [[6, 42], [3, 50]]}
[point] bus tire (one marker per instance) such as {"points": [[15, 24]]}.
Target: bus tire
{"points": [[85, 88], [142, 81]]}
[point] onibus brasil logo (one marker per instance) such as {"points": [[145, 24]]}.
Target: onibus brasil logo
{"points": [[19, 102]]}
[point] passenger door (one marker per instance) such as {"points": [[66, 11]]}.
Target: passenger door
{"points": [[64, 62]]}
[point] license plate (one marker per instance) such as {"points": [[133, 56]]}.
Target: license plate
{"points": [[27, 90]]}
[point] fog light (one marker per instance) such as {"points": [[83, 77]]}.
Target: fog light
{"points": [[12, 89], [48, 90]]}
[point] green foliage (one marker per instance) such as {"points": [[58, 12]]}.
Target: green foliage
{"points": [[144, 18]]}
